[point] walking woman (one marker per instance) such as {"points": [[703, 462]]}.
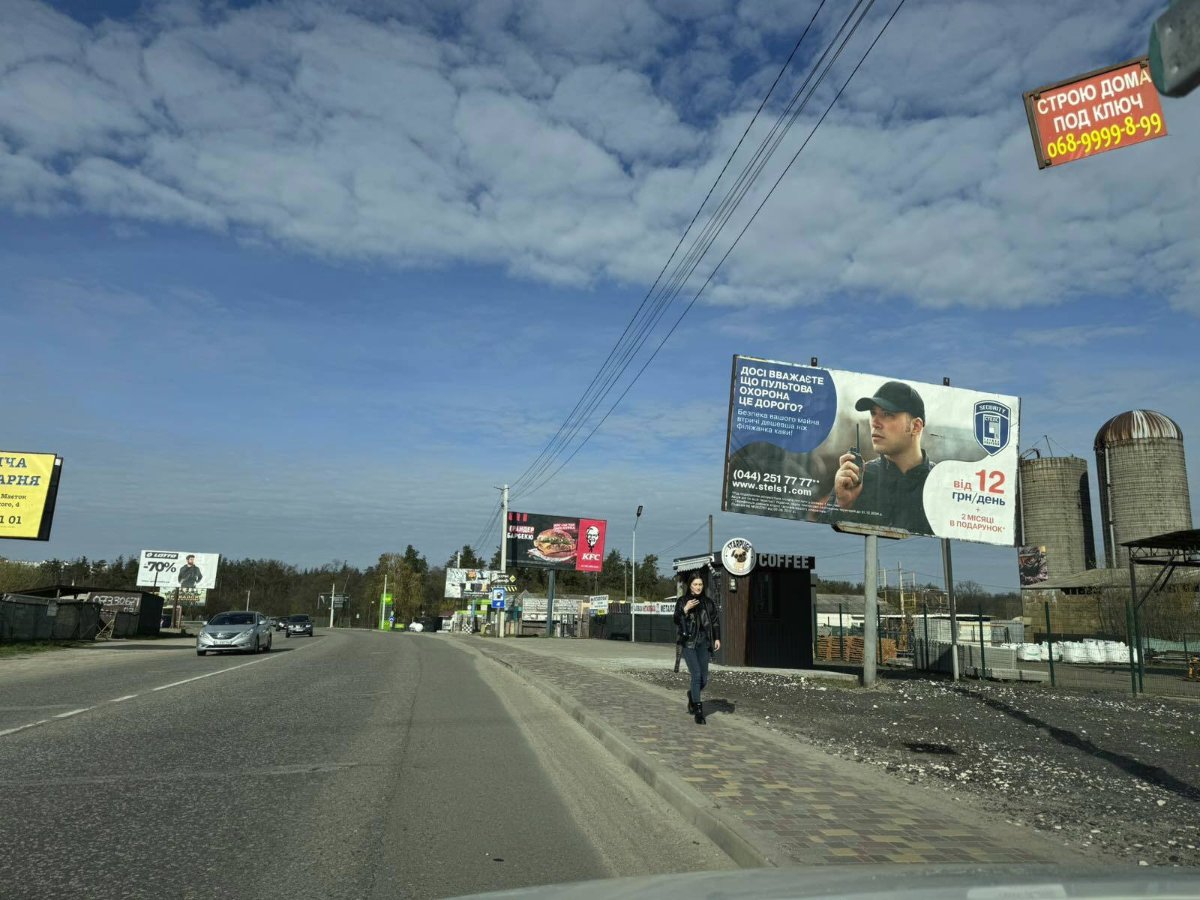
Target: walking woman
{"points": [[698, 627]]}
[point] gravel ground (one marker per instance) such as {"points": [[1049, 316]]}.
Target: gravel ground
{"points": [[1116, 777]]}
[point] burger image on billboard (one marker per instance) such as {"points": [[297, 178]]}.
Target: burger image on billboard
{"points": [[555, 544]]}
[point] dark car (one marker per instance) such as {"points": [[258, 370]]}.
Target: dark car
{"points": [[279, 624], [299, 625]]}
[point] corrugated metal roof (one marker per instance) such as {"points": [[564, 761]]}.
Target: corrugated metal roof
{"points": [[1137, 424]]}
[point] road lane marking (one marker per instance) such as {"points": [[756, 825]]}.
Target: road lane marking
{"points": [[73, 712], [253, 662], [7, 731]]}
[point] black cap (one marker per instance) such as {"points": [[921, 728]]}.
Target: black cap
{"points": [[895, 396]]}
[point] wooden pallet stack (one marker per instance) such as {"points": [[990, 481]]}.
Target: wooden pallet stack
{"points": [[850, 649]]}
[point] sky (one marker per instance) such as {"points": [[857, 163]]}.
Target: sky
{"points": [[310, 280]]}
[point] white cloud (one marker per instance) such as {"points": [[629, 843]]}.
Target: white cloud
{"points": [[571, 141]]}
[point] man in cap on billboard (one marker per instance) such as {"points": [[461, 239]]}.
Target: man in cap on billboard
{"points": [[887, 491]]}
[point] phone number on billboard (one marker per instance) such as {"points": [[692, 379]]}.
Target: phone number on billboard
{"points": [[773, 482], [1103, 138]]}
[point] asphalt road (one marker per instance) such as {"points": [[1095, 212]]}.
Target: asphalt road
{"points": [[353, 764]]}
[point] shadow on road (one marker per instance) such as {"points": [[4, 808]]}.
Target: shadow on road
{"points": [[1155, 775], [719, 706]]}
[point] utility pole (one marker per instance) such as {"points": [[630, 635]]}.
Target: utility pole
{"points": [[332, 594], [632, 614], [503, 554], [383, 602], [247, 601], [710, 535]]}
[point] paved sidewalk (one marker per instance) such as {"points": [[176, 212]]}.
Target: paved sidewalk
{"points": [[764, 799]]}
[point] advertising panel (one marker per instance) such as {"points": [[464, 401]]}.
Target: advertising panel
{"points": [[1117, 106], [28, 489], [121, 601], [1031, 563], [185, 569], [466, 583], [556, 542], [822, 445]]}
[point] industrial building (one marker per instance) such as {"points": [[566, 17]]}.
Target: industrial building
{"points": [[1141, 476], [1143, 482]]}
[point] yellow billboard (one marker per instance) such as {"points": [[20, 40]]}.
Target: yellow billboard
{"points": [[28, 488]]}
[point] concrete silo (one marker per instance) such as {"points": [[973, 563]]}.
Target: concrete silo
{"points": [[1142, 478], [1056, 512]]}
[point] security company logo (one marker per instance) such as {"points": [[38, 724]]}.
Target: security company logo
{"points": [[737, 556], [992, 425]]}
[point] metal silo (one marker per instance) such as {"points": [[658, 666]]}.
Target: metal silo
{"points": [[1143, 480], [1056, 512]]}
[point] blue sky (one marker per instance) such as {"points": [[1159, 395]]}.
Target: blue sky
{"points": [[306, 280]]}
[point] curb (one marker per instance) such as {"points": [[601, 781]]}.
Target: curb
{"points": [[669, 787]]}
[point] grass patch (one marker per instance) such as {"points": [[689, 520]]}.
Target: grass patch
{"points": [[25, 648]]}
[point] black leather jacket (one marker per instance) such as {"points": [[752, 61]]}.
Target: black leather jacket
{"points": [[704, 617]]}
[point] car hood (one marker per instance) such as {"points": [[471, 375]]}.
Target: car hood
{"points": [[299, 624], [226, 629]]}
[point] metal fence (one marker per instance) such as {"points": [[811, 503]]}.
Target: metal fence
{"points": [[24, 618], [1162, 659]]}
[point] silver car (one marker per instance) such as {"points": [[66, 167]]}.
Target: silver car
{"points": [[242, 631]]}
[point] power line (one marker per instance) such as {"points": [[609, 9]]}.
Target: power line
{"points": [[544, 459], [682, 541], [746, 227]]}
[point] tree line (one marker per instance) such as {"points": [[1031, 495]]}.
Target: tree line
{"points": [[277, 588]]}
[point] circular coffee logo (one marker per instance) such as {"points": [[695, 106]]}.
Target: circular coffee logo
{"points": [[737, 556]]}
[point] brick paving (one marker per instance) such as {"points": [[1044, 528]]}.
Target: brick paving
{"points": [[791, 803]]}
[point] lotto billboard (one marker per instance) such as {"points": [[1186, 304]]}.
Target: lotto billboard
{"points": [[184, 569], [835, 447]]}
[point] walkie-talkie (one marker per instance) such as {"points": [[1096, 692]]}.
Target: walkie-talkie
{"points": [[858, 460]]}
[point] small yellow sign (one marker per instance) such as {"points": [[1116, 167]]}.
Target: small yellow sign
{"points": [[25, 489]]}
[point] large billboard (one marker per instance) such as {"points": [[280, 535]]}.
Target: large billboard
{"points": [[185, 569], [822, 445], [1117, 106], [28, 490], [556, 542], [477, 583]]}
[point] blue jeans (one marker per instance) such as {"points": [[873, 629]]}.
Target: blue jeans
{"points": [[697, 663]]}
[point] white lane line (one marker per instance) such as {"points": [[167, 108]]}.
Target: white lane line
{"points": [[253, 662], [7, 731], [73, 712]]}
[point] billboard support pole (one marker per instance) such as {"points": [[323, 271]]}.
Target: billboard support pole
{"points": [[870, 608], [550, 605], [948, 569]]}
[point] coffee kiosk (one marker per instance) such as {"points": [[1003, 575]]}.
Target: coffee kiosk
{"points": [[766, 602]]}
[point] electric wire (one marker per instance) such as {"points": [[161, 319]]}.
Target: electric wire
{"points": [[742, 233], [684, 540], [529, 474]]}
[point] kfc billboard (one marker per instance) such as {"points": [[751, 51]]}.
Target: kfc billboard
{"points": [[1117, 106], [556, 542], [822, 445]]}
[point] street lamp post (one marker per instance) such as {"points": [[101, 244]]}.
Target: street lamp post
{"points": [[633, 580]]}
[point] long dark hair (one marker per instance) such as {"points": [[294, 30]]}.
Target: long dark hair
{"points": [[687, 584]]}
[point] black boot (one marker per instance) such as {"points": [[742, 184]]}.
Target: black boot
{"points": [[700, 720], [691, 703]]}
